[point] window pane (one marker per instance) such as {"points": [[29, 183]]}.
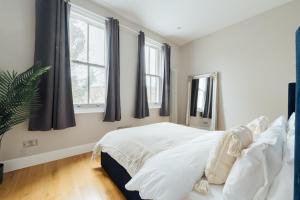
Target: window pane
{"points": [[201, 93], [147, 59], [78, 43], [97, 85], [96, 45], [153, 60], [148, 88], [202, 84], [153, 89], [157, 90], [79, 75], [200, 103]]}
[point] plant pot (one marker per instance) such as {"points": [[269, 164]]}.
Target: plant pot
{"points": [[1, 172]]}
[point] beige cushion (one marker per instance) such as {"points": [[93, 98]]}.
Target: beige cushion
{"points": [[258, 125], [224, 154]]}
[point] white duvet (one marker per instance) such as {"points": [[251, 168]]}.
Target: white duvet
{"points": [[131, 147], [171, 174]]}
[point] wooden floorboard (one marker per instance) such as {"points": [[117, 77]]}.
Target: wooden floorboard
{"points": [[74, 178]]}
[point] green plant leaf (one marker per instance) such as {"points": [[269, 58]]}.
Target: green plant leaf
{"points": [[19, 96]]}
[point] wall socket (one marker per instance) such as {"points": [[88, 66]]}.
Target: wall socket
{"points": [[30, 143]]}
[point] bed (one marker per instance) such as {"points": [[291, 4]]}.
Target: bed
{"points": [[120, 176], [165, 135]]}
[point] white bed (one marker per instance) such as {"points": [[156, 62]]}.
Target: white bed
{"points": [[167, 146]]}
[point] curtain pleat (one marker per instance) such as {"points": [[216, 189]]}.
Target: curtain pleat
{"points": [[141, 104], [297, 121], [194, 97], [113, 103], [165, 104], [52, 48]]}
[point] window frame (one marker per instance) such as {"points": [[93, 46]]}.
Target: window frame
{"points": [[159, 75], [90, 19]]}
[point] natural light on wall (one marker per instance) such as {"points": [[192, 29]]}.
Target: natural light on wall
{"points": [[87, 61]]}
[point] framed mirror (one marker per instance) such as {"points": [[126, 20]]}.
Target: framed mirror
{"points": [[202, 101]]}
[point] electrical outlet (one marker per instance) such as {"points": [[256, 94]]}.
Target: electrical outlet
{"points": [[30, 143]]}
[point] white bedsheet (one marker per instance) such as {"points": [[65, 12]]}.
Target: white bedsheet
{"points": [[215, 193], [131, 147]]}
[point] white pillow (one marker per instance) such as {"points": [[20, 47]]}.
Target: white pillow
{"points": [[280, 121], [291, 125], [290, 144], [252, 173], [171, 174], [283, 184], [290, 150], [224, 154], [258, 125]]}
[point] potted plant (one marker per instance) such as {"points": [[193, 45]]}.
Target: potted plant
{"points": [[18, 97]]}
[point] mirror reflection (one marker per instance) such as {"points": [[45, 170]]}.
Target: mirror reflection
{"points": [[201, 109]]}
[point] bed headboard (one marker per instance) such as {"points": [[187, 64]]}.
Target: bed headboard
{"points": [[291, 99]]}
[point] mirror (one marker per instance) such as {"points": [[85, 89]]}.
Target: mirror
{"points": [[202, 101]]}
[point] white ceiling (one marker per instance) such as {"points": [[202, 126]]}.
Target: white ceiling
{"points": [[195, 17]]}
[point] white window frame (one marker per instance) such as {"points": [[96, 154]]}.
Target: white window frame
{"points": [[157, 46], [97, 21]]}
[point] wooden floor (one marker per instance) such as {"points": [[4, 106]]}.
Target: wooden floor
{"points": [[74, 178]]}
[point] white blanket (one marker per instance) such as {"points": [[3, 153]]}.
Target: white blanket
{"points": [[131, 147], [171, 174]]}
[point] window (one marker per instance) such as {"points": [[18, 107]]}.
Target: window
{"points": [[201, 94], [153, 73], [88, 72]]}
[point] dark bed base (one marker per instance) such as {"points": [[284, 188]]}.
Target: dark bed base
{"points": [[118, 175]]}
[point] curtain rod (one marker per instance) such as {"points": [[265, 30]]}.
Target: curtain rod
{"points": [[104, 18]]}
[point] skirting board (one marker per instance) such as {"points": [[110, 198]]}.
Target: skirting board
{"points": [[28, 161]]}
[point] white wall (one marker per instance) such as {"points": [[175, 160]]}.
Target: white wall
{"points": [[17, 33], [256, 61]]}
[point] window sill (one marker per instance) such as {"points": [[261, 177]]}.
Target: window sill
{"points": [[82, 110], [86, 110]]}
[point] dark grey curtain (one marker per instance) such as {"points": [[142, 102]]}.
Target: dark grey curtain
{"points": [[194, 97], [113, 104], [165, 104], [52, 48], [207, 113], [141, 103]]}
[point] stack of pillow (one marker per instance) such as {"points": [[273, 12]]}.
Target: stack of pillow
{"points": [[264, 170], [228, 149], [282, 186], [254, 171]]}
